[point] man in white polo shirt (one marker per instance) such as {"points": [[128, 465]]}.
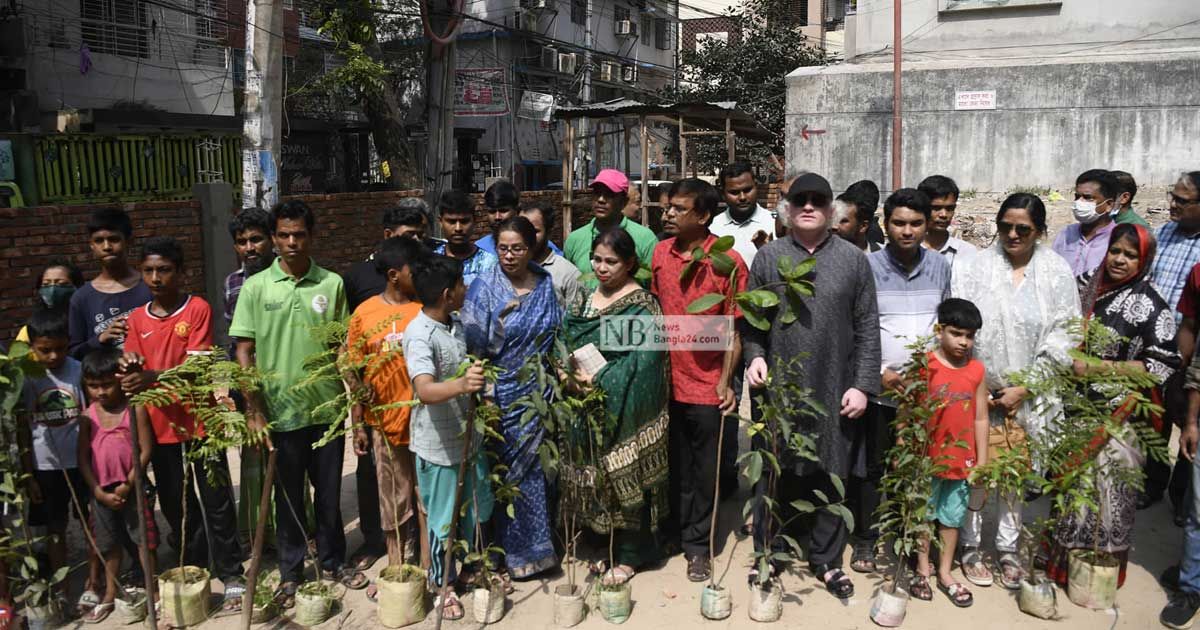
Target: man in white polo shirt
{"points": [[750, 224]]}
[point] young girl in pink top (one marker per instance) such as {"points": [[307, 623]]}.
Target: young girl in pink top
{"points": [[106, 463]]}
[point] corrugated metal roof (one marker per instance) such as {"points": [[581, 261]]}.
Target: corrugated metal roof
{"points": [[696, 114]]}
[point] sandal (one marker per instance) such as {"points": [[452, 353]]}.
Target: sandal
{"points": [[231, 602], [506, 581], [348, 577], [862, 559], [958, 594], [1010, 571], [87, 601], [364, 559], [617, 576], [373, 593], [836, 582], [285, 595], [919, 588], [973, 567], [452, 608], [99, 612]]}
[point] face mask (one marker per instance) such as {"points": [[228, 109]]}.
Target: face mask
{"points": [[55, 296], [1085, 212]]}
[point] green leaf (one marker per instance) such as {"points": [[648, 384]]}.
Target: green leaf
{"points": [[704, 302], [760, 298], [722, 264], [756, 320], [803, 507], [699, 254], [754, 464], [805, 267], [723, 244], [837, 485]]}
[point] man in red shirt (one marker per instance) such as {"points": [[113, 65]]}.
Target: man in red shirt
{"points": [[700, 378], [160, 336]]}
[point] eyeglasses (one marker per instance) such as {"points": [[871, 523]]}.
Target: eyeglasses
{"points": [[515, 250], [1005, 228], [816, 200], [1180, 201]]}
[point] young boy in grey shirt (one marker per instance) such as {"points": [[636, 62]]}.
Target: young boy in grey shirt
{"points": [[435, 350]]}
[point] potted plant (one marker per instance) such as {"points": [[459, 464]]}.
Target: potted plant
{"points": [[401, 595], [196, 384], [563, 447], [775, 439], [906, 487], [1099, 402], [264, 607]]}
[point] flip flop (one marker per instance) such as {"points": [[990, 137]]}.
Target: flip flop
{"points": [[836, 582], [617, 576], [918, 587], [348, 577], [87, 601], [452, 608], [958, 594], [285, 595], [364, 560], [99, 613], [231, 603]]}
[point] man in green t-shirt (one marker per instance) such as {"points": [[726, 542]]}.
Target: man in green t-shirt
{"points": [[277, 309], [610, 193], [1125, 200]]}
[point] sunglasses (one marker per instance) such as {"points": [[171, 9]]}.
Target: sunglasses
{"points": [[1005, 228], [1180, 201], [816, 200]]}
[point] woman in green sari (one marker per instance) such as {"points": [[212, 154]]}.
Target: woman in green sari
{"points": [[620, 483]]}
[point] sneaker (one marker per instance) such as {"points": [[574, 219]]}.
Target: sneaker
{"points": [[1181, 611]]}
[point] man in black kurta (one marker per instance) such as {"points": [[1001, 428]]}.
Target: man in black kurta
{"points": [[836, 336]]}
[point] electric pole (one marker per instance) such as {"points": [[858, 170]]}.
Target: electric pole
{"points": [[896, 100], [263, 103], [439, 153]]}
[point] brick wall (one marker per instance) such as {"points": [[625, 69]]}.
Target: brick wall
{"points": [[348, 228], [32, 237]]}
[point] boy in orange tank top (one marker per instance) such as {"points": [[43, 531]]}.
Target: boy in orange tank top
{"points": [[958, 440]]}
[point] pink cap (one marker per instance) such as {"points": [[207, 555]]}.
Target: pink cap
{"points": [[612, 179]]}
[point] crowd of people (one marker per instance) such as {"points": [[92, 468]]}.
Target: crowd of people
{"points": [[446, 322]]}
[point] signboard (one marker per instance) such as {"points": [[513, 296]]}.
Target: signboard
{"points": [[980, 99], [480, 92], [304, 163], [536, 106]]}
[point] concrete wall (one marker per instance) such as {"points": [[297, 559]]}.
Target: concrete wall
{"points": [[947, 28], [1052, 120]]}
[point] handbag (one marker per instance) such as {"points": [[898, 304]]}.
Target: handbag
{"points": [[1005, 436]]}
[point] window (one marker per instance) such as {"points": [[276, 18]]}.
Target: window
{"points": [[647, 29], [210, 34], [662, 39], [579, 11], [116, 27], [800, 12]]}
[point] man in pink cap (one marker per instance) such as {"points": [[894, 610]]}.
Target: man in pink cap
{"points": [[610, 193]]}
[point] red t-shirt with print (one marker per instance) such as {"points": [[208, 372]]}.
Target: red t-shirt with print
{"points": [[165, 342]]}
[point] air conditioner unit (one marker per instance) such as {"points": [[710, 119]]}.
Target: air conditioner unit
{"points": [[629, 74], [626, 28], [566, 63], [608, 71], [549, 58]]}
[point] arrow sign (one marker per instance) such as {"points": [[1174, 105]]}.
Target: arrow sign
{"points": [[805, 132]]}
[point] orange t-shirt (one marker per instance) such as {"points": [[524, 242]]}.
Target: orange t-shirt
{"points": [[377, 328], [955, 421]]}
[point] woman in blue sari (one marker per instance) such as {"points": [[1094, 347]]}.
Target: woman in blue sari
{"points": [[511, 313]]}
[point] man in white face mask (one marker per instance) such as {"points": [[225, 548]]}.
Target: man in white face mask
{"points": [[1084, 243]]}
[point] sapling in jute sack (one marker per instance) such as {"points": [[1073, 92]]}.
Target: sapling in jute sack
{"points": [[199, 384], [903, 514], [561, 449], [796, 284], [777, 441], [1098, 412]]}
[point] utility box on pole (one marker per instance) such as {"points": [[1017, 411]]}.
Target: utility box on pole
{"points": [[263, 103]]}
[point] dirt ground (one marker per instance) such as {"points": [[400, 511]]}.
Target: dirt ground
{"points": [[663, 596]]}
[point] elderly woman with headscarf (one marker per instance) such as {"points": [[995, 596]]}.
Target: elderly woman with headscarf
{"points": [[1119, 296]]}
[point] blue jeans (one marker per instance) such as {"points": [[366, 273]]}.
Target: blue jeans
{"points": [[1189, 566]]}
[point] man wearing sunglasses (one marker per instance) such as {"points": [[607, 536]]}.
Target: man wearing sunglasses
{"points": [[1084, 243], [834, 337]]}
